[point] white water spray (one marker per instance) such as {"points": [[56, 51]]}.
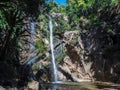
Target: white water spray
{"points": [[32, 26], [52, 50]]}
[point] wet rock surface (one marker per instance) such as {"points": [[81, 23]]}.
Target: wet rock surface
{"points": [[89, 55]]}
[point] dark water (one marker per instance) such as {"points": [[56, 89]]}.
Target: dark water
{"points": [[79, 86]]}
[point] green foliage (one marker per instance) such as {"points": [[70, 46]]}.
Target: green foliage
{"points": [[11, 24], [72, 10], [35, 68], [90, 9], [60, 58], [43, 25], [52, 7], [45, 64], [12, 14], [60, 24], [74, 40], [111, 32], [40, 46], [3, 23]]}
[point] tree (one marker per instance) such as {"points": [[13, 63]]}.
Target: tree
{"points": [[12, 32]]}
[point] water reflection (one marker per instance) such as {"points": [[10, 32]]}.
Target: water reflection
{"points": [[79, 86]]}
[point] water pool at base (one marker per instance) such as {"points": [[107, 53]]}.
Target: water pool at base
{"points": [[79, 86]]}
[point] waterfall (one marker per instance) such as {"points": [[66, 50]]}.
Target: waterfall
{"points": [[32, 59], [32, 32], [52, 50]]}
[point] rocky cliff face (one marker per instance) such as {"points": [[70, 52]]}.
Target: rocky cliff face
{"points": [[73, 66], [91, 55], [99, 48]]}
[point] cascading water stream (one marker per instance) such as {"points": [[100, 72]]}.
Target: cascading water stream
{"points": [[32, 32], [52, 50], [33, 59]]}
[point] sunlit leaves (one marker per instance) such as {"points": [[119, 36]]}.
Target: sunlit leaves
{"points": [[85, 3], [80, 2]]}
